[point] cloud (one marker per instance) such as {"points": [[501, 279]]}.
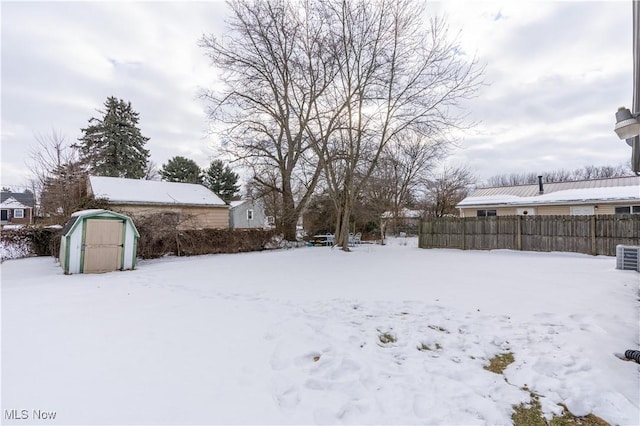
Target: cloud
{"points": [[555, 72]]}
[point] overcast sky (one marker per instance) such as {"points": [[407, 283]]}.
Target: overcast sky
{"points": [[555, 74]]}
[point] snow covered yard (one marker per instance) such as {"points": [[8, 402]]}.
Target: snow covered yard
{"points": [[386, 334]]}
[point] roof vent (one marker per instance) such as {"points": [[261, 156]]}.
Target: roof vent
{"points": [[540, 185]]}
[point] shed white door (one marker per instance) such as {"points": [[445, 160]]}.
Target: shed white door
{"points": [[103, 245]]}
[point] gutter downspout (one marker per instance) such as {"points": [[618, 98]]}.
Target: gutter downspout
{"points": [[635, 142]]}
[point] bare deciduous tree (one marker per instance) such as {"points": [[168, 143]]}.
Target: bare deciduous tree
{"points": [[326, 86], [58, 180], [275, 63], [560, 175], [64, 191], [446, 189], [403, 168], [151, 171], [51, 151], [394, 79]]}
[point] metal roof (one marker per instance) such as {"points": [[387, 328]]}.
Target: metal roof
{"points": [[533, 190]]}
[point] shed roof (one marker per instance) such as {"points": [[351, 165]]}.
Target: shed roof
{"points": [[78, 216], [135, 191]]}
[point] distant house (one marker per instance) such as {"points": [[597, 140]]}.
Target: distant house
{"points": [[587, 197], [247, 214], [194, 206], [16, 208]]}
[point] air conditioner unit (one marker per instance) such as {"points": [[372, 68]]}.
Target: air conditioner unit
{"points": [[628, 257]]}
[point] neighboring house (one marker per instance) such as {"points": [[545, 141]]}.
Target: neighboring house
{"points": [[247, 214], [16, 208], [194, 205], [588, 197]]}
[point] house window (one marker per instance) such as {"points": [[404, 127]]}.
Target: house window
{"points": [[484, 213], [18, 213], [627, 210], [250, 214], [582, 210]]}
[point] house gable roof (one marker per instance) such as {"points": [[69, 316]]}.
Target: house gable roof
{"points": [[597, 190], [25, 198], [134, 191], [12, 203]]}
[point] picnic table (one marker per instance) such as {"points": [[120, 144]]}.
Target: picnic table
{"points": [[323, 240], [330, 239]]}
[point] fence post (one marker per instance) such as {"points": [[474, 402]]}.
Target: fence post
{"points": [[594, 244], [464, 233], [519, 233]]}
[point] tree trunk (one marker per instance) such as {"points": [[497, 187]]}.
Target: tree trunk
{"points": [[289, 216], [342, 237], [336, 229]]}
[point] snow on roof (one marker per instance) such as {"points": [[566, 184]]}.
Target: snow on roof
{"points": [[25, 198], [531, 190], [619, 193], [237, 203], [12, 203], [134, 191], [87, 212]]}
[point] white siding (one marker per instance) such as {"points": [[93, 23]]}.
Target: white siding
{"points": [[75, 249], [238, 216]]}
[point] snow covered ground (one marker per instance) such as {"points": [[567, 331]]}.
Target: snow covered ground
{"points": [[294, 337]]}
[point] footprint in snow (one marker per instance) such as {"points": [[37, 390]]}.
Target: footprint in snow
{"points": [[287, 395]]}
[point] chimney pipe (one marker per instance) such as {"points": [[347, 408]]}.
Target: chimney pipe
{"points": [[540, 185]]}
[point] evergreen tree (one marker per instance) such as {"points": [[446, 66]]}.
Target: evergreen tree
{"points": [[181, 169], [113, 145], [221, 180]]}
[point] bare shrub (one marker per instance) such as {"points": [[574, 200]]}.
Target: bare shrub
{"points": [[160, 235], [29, 241]]}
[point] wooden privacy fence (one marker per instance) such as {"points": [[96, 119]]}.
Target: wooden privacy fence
{"points": [[597, 235]]}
